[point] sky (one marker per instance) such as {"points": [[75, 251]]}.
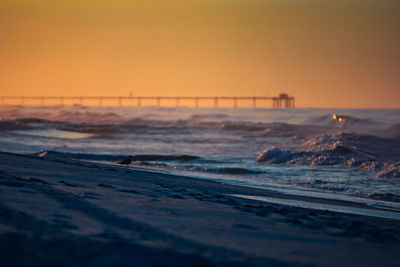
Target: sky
{"points": [[325, 53]]}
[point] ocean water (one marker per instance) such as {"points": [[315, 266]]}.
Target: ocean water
{"points": [[294, 151]]}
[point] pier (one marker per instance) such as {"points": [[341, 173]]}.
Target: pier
{"points": [[281, 101]]}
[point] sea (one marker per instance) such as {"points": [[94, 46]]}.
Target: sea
{"points": [[300, 151]]}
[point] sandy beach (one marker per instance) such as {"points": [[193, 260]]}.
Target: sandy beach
{"points": [[69, 212]]}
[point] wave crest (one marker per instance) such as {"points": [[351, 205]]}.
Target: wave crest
{"points": [[362, 151]]}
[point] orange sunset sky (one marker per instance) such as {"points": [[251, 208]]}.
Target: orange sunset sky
{"points": [[325, 53]]}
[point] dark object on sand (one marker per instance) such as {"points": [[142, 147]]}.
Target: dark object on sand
{"points": [[126, 162]]}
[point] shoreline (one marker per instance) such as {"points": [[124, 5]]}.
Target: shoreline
{"points": [[328, 199], [198, 221]]}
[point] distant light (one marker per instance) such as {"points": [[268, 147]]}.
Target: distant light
{"points": [[339, 118]]}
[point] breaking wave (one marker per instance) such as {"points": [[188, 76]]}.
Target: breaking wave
{"points": [[362, 151], [104, 122]]}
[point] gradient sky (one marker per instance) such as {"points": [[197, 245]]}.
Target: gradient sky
{"points": [[326, 53]]}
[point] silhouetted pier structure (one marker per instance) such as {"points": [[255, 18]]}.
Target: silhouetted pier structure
{"points": [[282, 101]]}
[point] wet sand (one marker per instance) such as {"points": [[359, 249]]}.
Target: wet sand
{"points": [[69, 212]]}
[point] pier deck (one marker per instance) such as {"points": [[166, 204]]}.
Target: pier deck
{"points": [[282, 101]]}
